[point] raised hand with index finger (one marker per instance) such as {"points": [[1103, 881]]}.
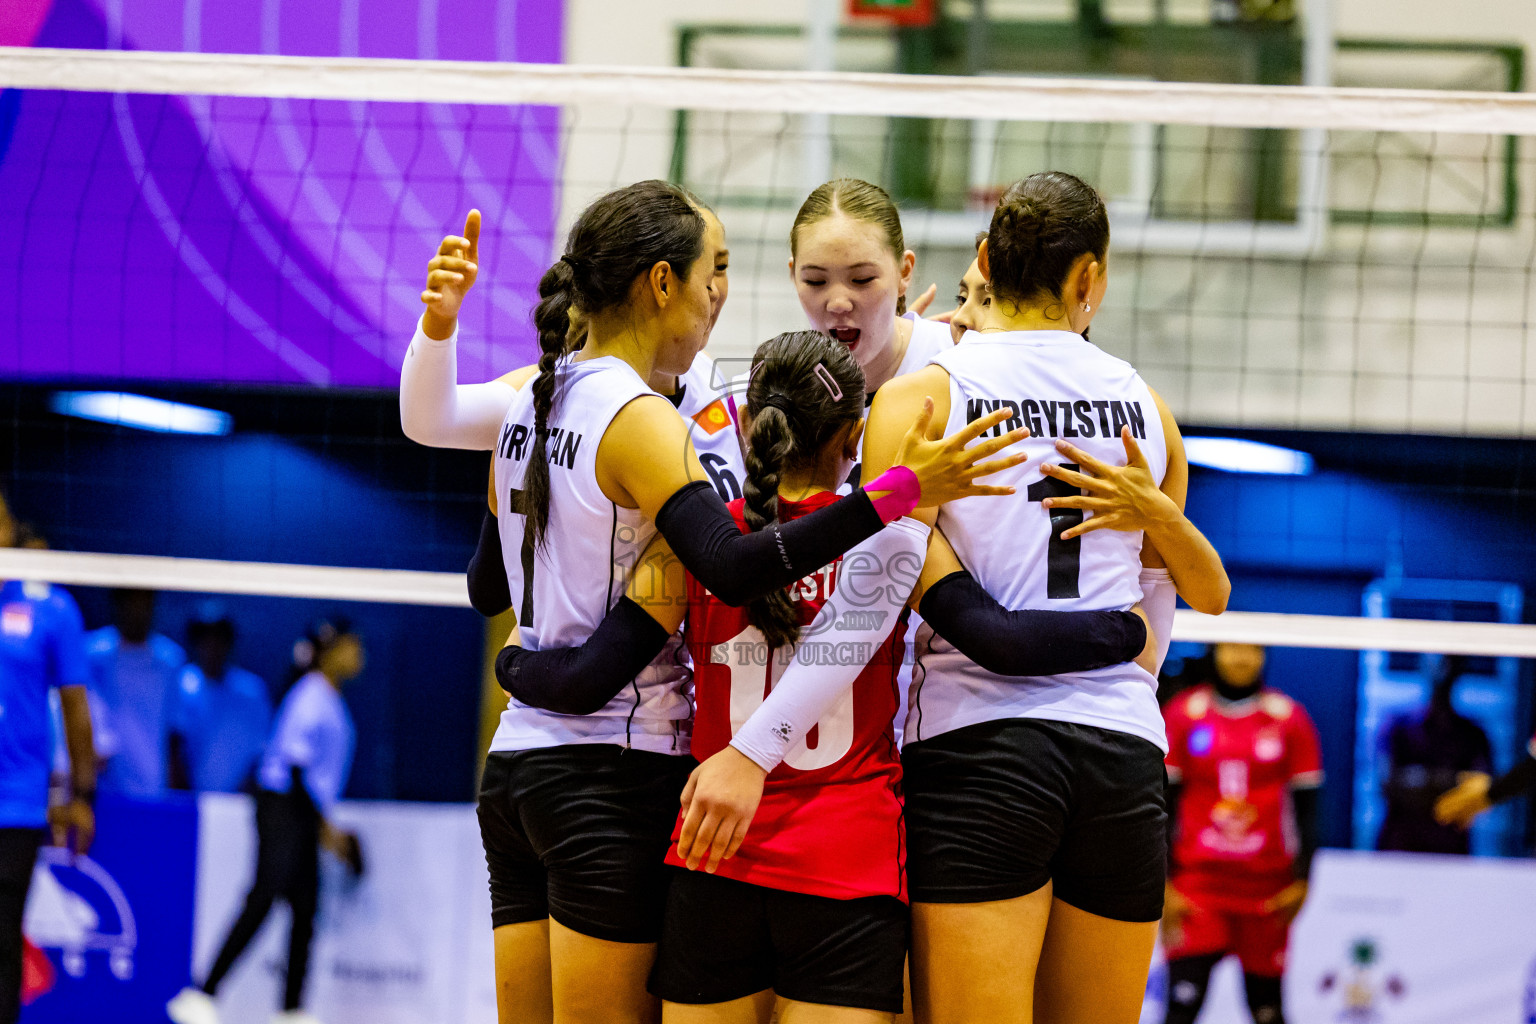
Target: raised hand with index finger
{"points": [[450, 275]]}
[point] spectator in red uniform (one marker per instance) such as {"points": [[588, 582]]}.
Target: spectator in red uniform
{"points": [[1244, 773]]}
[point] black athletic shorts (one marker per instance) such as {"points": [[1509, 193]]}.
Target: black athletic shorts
{"points": [[996, 810], [577, 833], [725, 939]]}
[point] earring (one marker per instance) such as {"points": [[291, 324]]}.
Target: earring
{"points": [[1087, 308]]}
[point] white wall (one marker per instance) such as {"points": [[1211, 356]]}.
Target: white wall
{"points": [[1503, 21], [627, 32]]}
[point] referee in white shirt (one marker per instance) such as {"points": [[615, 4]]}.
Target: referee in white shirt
{"points": [[302, 775]]}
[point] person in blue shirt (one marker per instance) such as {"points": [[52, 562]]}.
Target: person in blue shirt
{"points": [[134, 673], [302, 775], [222, 715], [42, 648]]}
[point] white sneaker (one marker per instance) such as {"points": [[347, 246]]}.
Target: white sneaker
{"points": [[295, 1017], [193, 1006]]}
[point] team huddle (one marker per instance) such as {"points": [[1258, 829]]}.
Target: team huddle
{"points": [[842, 674]]}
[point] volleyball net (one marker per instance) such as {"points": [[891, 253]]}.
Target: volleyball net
{"points": [[1353, 261]]}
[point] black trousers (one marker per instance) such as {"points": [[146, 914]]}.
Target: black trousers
{"points": [[18, 855], [287, 868], [17, 858]]}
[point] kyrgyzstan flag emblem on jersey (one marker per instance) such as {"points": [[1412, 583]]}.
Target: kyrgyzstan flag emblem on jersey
{"points": [[713, 418]]}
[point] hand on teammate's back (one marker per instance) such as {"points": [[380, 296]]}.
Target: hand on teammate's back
{"points": [[718, 804], [1120, 497], [947, 469], [450, 275]]}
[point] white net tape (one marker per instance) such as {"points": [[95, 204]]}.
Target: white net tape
{"points": [[930, 96], [448, 589]]}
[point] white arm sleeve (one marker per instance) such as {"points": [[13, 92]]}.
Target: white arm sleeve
{"points": [[1158, 599], [436, 410], [875, 580]]}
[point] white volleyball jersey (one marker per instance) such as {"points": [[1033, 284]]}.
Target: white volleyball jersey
{"points": [[1060, 386], [704, 408], [565, 589], [930, 339]]}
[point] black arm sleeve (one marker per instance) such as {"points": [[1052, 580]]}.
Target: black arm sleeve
{"points": [[1307, 802], [581, 680], [1027, 642], [487, 574], [1519, 779], [737, 567]]}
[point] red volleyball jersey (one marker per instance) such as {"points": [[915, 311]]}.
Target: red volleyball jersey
{"points": [[1236, 832], [830, 820]]}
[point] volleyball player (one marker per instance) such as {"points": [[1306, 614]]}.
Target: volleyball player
{"points": [[436, 410], [808, 906], [1244, 773], [1035, 813], [851, 269], [811, 910], [972, 300], [590, 463]]}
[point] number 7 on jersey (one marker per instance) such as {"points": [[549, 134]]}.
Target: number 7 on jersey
{"points": [[1064, 558], [517, 504]]}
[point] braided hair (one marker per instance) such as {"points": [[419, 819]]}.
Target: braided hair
{"points": [[619, 237], [1039, 229], [804, 387]]}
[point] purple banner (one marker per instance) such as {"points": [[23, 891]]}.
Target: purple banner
{"points": [[266, 241]]}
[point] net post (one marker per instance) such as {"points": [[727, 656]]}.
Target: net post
{"points": [[1317, 71], [820, 55]]}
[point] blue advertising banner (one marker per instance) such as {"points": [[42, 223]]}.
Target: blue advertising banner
{"points": [[117, 924]]}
